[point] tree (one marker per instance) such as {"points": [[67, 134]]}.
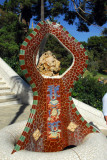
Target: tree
{"points": [[104, 32], [11, 36], [89, 91], [87, 12], [42, 10], [23, 8], [97, 52]]}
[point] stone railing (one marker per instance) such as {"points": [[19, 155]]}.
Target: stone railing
{"points": [[91, 114], [16, 83]]}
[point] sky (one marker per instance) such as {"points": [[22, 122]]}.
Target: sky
{"points": [[80, 36]]}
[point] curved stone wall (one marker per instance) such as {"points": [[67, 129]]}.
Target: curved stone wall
{"points": [[94, 147]]}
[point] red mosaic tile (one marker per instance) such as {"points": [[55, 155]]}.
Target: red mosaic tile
{"points": [[23, 67]]}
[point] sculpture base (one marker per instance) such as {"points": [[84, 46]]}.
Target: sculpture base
{"points": [[93, 147]]}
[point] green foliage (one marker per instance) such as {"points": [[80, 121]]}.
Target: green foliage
{"points": [[99, 11], [104, 32], [60, 52], [13, 62], [89, 91], [11, 36], [82, 13], [97, 53]]}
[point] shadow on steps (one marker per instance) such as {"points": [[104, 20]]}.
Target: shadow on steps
{"points": [[21, 110]]}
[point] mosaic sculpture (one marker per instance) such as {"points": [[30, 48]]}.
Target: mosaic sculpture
{"points": [[54, 122]]}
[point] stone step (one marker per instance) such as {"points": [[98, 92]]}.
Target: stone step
{"points": [[6, 93], [9, 96], [1, 79], [3, 84], [9, 102], [4, 89], [12, 106]]}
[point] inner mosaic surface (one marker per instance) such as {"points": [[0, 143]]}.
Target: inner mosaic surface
{"points": [[54, 122]]}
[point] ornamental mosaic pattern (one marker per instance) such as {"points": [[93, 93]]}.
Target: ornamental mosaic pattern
{"points": [[72, 126], [53, 109]]}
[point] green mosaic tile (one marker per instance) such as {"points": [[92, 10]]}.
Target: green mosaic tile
{"points": [[34, 33], [17, 147], [74, 82], [24, 43], [81, 46], [29, 79], [35, 102], [22, 62], [27, 129], [73, 105], [33, 111], [29, 37], [76, 40], [84, 69], [48, 22], [38, 27], [70, 98], [24, 71], [33, 85], [86, 62], [64, 29], [70, 90], [82, 119], [69, 35], [30, 120], [88, 125], [86, 53], [94, 130], [22, 138], [35, 93], [22, 52], [79, 76], [41, 22], [77, 113]]}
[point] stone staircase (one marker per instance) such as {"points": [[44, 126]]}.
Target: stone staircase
{"points": [[7, 97]]}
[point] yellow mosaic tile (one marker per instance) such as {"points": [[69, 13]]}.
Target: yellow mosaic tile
{"points": [[72, 126], [36, 134]]}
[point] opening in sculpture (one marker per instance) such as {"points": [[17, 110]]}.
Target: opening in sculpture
{"points": [[48, 64]]}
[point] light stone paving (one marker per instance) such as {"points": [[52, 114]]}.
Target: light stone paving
{"points": [[12, 114], [94, 147]]}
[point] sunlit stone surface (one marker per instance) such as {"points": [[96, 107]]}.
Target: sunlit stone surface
{"points": [[94, 147]]}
